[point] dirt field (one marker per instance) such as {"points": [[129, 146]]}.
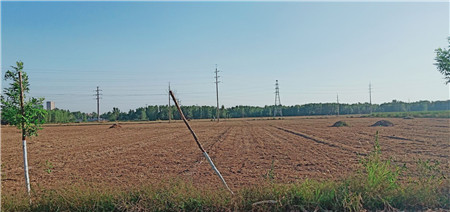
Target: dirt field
{"points": [[243, 151]]}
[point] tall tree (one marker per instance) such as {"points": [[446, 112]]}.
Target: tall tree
{"points": [[115, 114], [26, 114], [443, 61]]}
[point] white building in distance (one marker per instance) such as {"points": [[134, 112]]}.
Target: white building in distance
{"points": [[50, 105]]}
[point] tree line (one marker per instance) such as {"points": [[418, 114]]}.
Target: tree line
{"points": [[161, 112]]}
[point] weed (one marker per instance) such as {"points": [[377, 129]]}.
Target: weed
{"points": [[270, 175], [48, 167], [3, 172], [379, 179]]}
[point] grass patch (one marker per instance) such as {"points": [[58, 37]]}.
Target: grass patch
{"points": [[415, 114], [376, 185]]}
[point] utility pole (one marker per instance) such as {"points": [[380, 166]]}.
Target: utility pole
{"points": [[168, 110], [277, 101], [98, 103], [337, 98], [217, 94], [24, 141], [370, 97]]}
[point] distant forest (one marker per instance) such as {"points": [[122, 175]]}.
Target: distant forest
{"points": [[160, 112]]}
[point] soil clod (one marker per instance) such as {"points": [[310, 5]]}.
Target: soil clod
{"points": [[115, 126]]}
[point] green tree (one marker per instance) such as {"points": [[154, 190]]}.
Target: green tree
{"points": [[115, 114], [142, 114], [443, 61], [34, 113], [26, 114]]}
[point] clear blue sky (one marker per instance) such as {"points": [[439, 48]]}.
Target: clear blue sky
{"points": [[316, 50]]}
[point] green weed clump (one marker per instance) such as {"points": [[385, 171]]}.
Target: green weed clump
{"points": [[377, 185], [421, 191]]}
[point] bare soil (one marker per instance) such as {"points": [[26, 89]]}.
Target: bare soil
{"points": [[242, 149]]}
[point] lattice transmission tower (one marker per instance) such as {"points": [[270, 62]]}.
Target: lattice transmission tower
{"points": [[277, 107], [98, 94]]}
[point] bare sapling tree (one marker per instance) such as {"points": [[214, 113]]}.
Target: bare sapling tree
{"points": [[26, 114]]}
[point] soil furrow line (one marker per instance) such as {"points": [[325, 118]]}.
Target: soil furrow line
{"points": [[210, 149], [321, 141], [313, 150], [309, 159], [220, 138], [393, 137]]}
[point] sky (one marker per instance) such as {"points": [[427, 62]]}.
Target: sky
{"points": [[132, 50]]}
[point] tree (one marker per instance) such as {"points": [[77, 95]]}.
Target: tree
{"points": [[142, 114], [26, 115], [115, 114], [443, 61]]}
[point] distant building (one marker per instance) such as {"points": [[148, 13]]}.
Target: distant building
{"points": [[50, 105]]}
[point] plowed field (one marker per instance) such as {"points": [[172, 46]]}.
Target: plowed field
{"points": [[243, 150]]}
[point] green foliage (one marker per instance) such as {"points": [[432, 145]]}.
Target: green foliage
{"points": [[34, 113], [379, 179], [48, 167], [443, 61], [428, 180], [3, 172], [416, 114], [59, 116], [177, 195], [114, 114], [270, 175], [436, 109], [160, 112]]}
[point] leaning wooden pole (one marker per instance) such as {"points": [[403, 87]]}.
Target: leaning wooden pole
{"points": [[198, 143], [24, 140]]}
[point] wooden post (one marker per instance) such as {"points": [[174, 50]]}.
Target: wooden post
{"points": [[185, 121], [198, 143], [24, 141]]}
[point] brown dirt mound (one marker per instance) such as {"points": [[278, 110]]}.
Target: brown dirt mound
{"points": [[115, 126], [383, 123], [340, 124]]}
